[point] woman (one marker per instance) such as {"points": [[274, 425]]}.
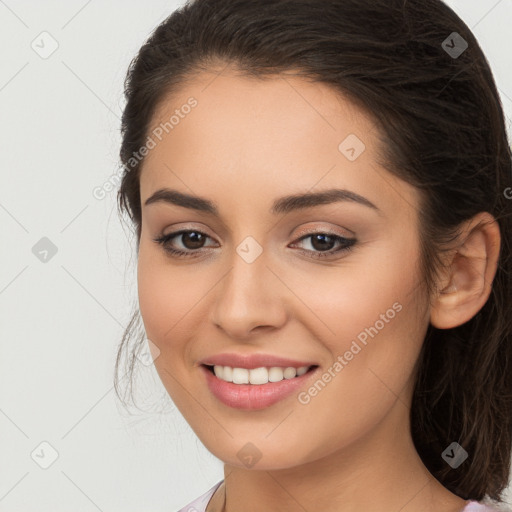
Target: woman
{"points": [[319, 194]]}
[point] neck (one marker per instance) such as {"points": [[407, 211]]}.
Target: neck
{"points": [[379, 472]]}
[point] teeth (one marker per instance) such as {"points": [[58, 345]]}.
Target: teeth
{"points": [[257, 375], [302, 370], [227, 374]]}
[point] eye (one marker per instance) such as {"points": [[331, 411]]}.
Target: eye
{"points": [[191, 239], [322, 244]]}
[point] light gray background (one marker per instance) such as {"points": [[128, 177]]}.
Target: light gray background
{"points": [[61, 321]]}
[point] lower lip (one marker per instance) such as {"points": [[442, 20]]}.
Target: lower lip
{"points": [[253, 396]]}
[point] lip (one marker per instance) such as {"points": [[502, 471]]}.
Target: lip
{"points": [[253, 396], [251, 361]]}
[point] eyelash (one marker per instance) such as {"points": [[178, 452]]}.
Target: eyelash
{"points": [[164, 240]]}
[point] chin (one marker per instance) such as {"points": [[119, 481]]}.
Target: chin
{"points": [[258, 455]]}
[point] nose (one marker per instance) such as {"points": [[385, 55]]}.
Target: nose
{"points": [[249, 298]]}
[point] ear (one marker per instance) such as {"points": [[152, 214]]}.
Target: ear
{"points": [[466, 280]]}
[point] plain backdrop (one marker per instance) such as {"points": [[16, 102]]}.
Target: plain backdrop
{"points": [[61, 319]]}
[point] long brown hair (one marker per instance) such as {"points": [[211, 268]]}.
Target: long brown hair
{"points": [[442, 125]]}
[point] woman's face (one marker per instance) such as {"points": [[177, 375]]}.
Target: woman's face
{"points": [[333, 283]]}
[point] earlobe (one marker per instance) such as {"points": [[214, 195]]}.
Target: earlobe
{"points": [[467, 280]]}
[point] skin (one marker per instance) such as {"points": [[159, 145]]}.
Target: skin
{"points": [[247, 143]]}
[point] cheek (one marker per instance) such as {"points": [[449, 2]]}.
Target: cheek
{"points": [[380, 340], [349, 301], [166, 295], [373, 315], [374, 373]]}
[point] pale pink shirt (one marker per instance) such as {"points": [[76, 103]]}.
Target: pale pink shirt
{"points": [[200, 504]]}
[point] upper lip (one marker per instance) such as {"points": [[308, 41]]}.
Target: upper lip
{"points": [[251, 361]]}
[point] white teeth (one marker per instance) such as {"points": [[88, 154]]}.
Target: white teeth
{"points": [[219, 371], [240, 376], [302, 370], [289, 373], [257, 376], [275, 374], [228, 374]]}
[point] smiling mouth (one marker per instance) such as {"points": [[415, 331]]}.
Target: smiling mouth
{"points": [[258, 376]]}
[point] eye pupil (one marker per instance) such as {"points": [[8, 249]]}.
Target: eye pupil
{"points": [[197, 239], [324, 239]]}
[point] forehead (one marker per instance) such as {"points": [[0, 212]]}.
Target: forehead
{"points": [[283, 106], [277, 133]]}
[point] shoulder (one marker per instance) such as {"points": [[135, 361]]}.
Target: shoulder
{"points": [[200, 504], [475, 506]]}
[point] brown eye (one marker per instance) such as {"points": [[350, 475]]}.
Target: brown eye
{"points": [[191, 242], [322, 242], [192, 239]]}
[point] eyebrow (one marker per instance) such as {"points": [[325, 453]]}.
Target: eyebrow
{"points": [[282, 205]]}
